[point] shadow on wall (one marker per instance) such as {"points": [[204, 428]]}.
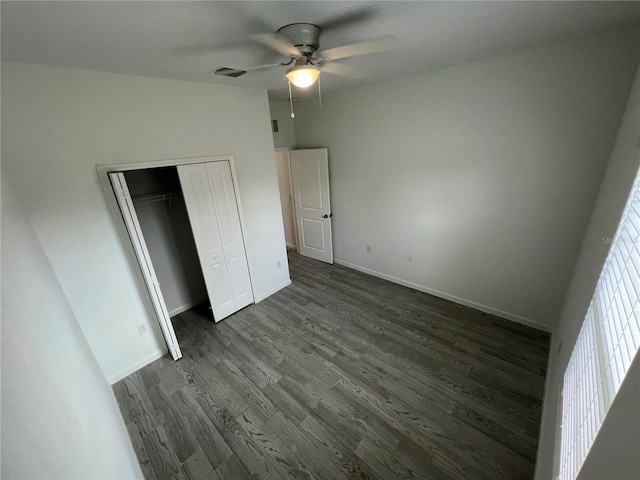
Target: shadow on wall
{"points": [[51, 381]]}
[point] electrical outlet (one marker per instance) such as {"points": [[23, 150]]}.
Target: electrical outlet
{"points": [[409, 258], [142, 328], [368, 248]]}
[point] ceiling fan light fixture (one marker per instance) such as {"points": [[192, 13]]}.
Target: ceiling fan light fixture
{"points": [[303, 76]]}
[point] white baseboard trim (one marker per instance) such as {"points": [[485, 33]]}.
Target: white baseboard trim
{"points": [[262, 296], [462, 301], [137, 366], [187, 306], [292, 246]]}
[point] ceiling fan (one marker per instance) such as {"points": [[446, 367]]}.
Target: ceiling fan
{"points": [[301, 43]]}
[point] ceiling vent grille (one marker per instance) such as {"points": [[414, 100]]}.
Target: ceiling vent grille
{"points": [[229, 72]]}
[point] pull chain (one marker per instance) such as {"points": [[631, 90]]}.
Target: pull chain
{"points": [[293, 115], [319, 91]]}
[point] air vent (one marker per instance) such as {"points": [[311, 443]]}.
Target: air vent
{"points": [[274, 126], [229, 72]]}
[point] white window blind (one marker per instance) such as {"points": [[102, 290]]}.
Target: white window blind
{"points": [[607, 343]]}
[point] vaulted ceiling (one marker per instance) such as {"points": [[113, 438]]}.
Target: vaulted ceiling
{"points": [[186, 40]]}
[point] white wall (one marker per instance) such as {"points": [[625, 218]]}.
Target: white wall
{"points": [[59, 416], [58, 124], [614, 191], [286, 136], [173, 253], [283, 166], [485, 172]]}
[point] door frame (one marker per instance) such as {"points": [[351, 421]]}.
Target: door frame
{"points": [[287, 150], [125, 238]]}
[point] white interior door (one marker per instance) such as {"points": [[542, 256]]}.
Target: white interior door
{"points": [[142, 253], [310, 172], [213, 212]]}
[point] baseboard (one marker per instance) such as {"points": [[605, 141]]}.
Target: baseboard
{"points": [[292, 246], [137, 366], [187, 306], [462, 301], [262, 296]]}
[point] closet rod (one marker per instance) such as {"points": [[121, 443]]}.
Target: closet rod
{"points": [[154, 197]]}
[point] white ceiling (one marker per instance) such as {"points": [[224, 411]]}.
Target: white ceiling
{"points": [[185, 40]]}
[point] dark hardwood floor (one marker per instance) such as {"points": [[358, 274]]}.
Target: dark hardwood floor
{"points": [[341, 375]]}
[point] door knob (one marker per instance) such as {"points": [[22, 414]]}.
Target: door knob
{"points": [[327, 216]]}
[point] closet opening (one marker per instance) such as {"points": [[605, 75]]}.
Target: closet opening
{"points": [[159, 204]]}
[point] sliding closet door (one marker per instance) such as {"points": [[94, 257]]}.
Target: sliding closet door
{"points": [[213, 212], [125, 202]]}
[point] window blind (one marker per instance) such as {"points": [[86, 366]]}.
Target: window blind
{"points": [[607, 343]]}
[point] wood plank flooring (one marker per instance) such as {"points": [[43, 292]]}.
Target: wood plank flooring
{"points": [[340, 376]]}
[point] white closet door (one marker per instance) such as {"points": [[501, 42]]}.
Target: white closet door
{"points": [[226, 206], [310, 173], [211, 204], [125, 203]]}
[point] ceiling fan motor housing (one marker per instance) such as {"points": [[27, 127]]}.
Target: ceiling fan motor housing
{"points": [[304, 36]]}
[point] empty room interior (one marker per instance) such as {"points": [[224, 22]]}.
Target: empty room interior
{"points": [[320, 240]]}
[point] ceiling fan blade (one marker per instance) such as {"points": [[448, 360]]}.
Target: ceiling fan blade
{"points": [[383, 43], [204, 50], [348, 19], [262, 67], [277, 44], [342, 70]]}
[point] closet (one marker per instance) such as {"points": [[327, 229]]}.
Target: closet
{"points": [[162, 214], [185, 228]]}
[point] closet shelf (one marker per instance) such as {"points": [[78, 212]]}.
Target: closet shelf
{"points": [[156, 197]]}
